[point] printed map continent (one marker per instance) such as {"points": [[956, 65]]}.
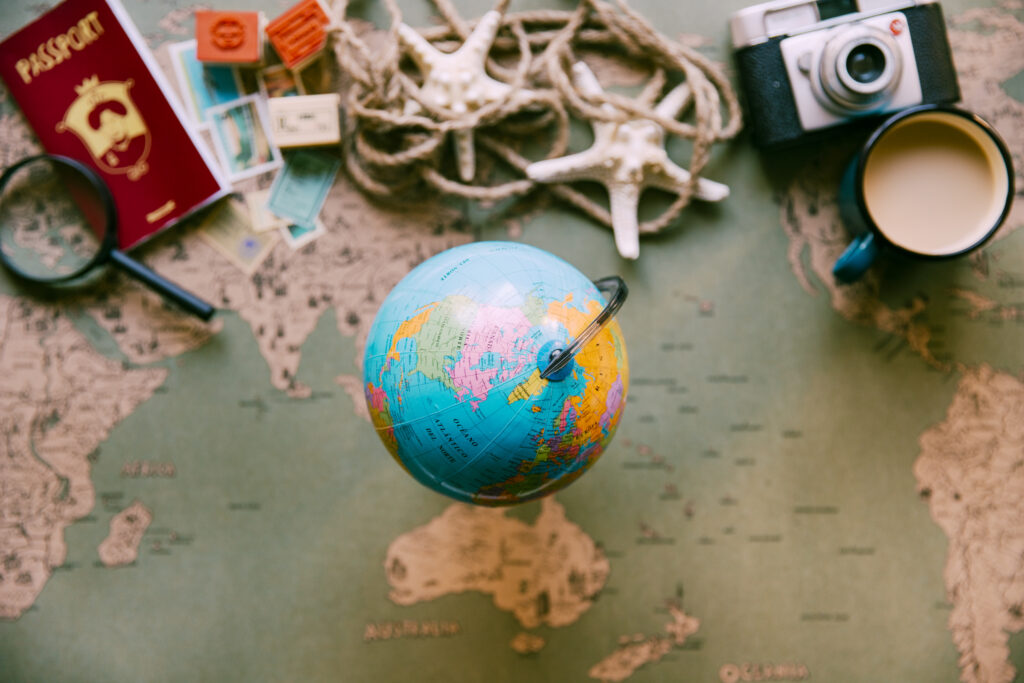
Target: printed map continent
{"points": [[121, 546], [52, 423], [547, 573], [968, 470], [639, 650], [971, 473], [58, 402]]}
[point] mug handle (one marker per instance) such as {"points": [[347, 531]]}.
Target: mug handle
{"points": [[857, 258]]}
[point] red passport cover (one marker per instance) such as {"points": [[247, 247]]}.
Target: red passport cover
{"points": [[90, 88]]}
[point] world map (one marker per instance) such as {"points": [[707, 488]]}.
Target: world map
{"points": [[752, 521]]}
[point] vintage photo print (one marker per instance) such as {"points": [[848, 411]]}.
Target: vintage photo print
{"points": [[297, 235], [241, 136], [202, 86]]}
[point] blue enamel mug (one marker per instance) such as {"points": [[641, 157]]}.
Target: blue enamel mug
{"points": [[932, 182]]}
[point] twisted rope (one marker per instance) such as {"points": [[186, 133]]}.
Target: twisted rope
{"points": [[388, 151]]}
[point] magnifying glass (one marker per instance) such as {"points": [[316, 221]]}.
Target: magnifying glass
{"points": [[58, 223]]}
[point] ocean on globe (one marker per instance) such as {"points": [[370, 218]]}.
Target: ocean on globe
{"points": [[453, 366]]}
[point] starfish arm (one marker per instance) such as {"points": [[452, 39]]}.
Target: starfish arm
{"points": [[412, 107], [465, 154], [671, 177], [625, 201], [585, 80], [581, 166], [491, 90], [675, 102], [423, 53], [479, 42], [604, 132]]}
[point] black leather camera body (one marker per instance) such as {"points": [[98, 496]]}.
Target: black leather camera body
{"points": [[808, 68]]}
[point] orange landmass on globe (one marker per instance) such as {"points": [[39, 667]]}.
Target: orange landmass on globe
{"points": [[410, 328], [602, 373]]}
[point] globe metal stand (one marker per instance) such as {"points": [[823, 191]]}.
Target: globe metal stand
{"points": [[559, 359]]}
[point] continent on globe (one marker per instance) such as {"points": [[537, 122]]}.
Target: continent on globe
{"points": [[547, 573], [121, 546], [453, 370]]}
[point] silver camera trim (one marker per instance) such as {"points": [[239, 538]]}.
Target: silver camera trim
{"points": [[760, 23], [802, 56], [835, 83]]}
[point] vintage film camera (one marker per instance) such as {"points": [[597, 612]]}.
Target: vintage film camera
{"points": [[809, 67]]}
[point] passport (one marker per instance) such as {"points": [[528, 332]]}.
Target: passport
{"points": [[90, 88]]}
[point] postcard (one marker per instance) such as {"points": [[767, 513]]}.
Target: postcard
{"points": [[203, 86], [229, 230], [298, 236], [301, 187], [263, 219], [240, 134]]}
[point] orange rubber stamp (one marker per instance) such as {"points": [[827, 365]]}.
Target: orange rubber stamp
{"points": [[300, 33], [229, 37]]}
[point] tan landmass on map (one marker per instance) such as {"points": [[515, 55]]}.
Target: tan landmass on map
{"points": [[986, 43], [367, 249], [987, 49], [59, 399], [968, 463], [121, 546], [811, 220], [971, 472], [527, 643], [548, 572], [980, 305], [638, 650]]}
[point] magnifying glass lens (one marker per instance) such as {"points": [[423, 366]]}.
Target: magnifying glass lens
{"points": [[52, 221]]}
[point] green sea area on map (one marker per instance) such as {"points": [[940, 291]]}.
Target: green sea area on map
{"points": [[782, 510]]}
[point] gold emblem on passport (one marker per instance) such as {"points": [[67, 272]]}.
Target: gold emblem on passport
{"points": [[108, 123]]}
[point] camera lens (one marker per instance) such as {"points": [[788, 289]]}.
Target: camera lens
{"points": [[865, 63], [860, 68]]}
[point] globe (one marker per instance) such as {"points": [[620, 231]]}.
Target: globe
{"points": [[453, 365]]}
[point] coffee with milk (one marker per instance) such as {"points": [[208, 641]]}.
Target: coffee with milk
{"points": [[935, 184], [931, 182]]}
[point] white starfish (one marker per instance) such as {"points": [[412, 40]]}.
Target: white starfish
{"points": [[458, 81], [626, 158]]}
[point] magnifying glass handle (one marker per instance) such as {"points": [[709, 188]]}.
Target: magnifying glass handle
{"points": [[188, 301]]}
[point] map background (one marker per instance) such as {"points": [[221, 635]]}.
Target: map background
{"points": [[286, 591]]}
